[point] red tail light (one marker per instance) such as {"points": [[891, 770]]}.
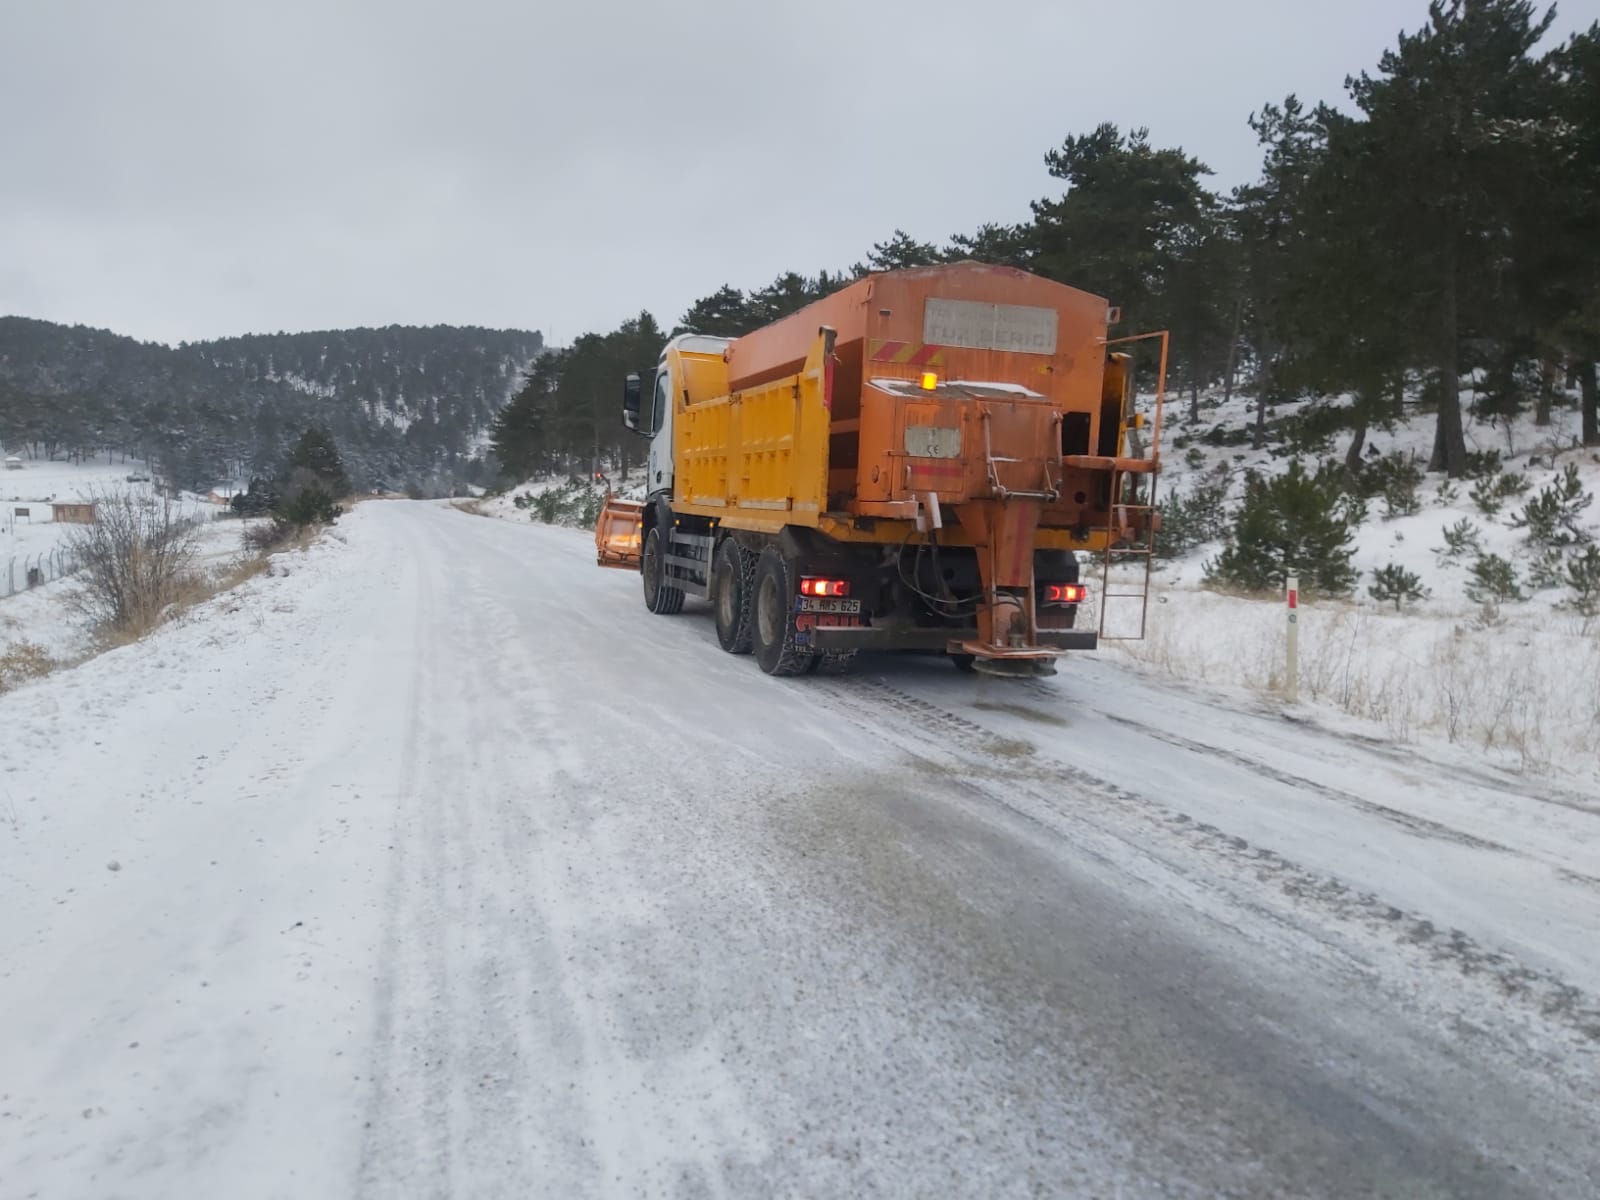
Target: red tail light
{"points": [[1065, 593], [824, 587]]}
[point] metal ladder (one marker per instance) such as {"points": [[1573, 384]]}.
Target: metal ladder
{"points": [[1135, 556], [1143, 513]]}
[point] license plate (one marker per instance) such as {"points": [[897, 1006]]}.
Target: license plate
{"points": [[827, 604], [804, 623]]}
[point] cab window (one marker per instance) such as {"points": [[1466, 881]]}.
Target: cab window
{"points": [[658, 415]]}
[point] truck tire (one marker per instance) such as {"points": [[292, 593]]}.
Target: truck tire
{"points": [[772, 618], [733, 577], [659, 597]]}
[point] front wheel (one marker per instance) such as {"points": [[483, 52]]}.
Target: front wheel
{"points": [[659, 597], [773, 622]]}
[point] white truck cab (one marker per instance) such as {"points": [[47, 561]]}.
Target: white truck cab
{"points": [[651, 413]]}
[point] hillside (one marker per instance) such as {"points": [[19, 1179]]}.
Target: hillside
{"points": [[409, 406], [1513, 679]]}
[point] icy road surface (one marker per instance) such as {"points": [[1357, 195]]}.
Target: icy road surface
{"points": [[440, 868]]}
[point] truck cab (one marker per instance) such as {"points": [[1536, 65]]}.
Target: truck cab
{"points": [[649, 412]]}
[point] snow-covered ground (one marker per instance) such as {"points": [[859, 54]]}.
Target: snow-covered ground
{"points": [[33, 487], [1517, 688], [1414, 542], [570, 496], [45, 617], [33, 539], [434, 865], [41, 479]]}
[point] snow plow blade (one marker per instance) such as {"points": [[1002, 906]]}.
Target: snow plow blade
{"points": [[616, 534]]}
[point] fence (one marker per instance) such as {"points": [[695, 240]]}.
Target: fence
{"points": [[20, 574]]}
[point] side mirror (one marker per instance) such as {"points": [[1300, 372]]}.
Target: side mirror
{"points": [[631, 391]]}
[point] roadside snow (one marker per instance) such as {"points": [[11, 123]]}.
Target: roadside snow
{"points": [[1516, 688], [1520, 694], [568, 497], [25, 539], [166, 911], [46, 617]]}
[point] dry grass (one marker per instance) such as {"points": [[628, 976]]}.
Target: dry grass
{"points": [[1526, 689], [22, 661]]}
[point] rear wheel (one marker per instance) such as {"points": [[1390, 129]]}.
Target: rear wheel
{"points": [[733, 579], [963, 663], [773, 617], [659, 597]]}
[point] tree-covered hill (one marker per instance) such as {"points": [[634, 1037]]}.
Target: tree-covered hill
{"points": [[409, 406]]}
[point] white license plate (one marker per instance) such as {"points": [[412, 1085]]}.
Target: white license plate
{"points": [[827, 604]]}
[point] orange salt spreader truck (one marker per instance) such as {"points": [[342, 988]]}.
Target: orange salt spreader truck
{"points": [[913, 463]]}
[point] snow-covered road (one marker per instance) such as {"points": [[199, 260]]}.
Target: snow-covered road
{"points": [[441, 868]]}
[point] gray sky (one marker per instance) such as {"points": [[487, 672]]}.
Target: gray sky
{"points": [[182, 169]]}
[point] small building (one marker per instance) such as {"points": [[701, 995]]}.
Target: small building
{"points": [[13, 463], [73, 513]]}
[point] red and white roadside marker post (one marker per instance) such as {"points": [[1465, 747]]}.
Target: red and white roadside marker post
{"points": [[1291, 674]]}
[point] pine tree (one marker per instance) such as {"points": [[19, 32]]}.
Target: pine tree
{"points": [[1002, 245], [899, 252], [1294, 524], [1451, 134], [1333, 302], [316, 452], [520, 431], [313, 482], [1393, 583], [724, 313], [1127, 210], [1572, 260]]}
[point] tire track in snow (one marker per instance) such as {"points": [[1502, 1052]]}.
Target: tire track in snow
{"points": [[504, 1059], [1410, 822], [406, 1145], [644, 1124], [1019, 768], [458, 1108]]}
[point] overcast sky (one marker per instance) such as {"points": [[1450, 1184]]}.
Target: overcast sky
{"points": [[183, 169]]}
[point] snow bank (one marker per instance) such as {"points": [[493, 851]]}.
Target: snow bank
{"points": [[1525, 692], [1520, 686]]}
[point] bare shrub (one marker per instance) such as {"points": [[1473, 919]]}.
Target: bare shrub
{"points": [[22, 661], [138, 559]]}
